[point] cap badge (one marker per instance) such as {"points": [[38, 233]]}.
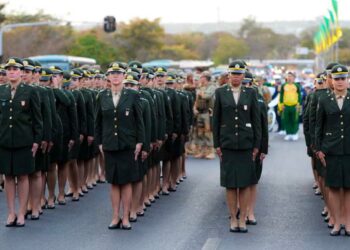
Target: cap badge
{"points": [[339, 69]]}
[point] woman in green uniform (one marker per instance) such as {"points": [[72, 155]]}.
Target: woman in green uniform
{"points": [[333, 145], [21, 131], [120, 133], [237, 136]]}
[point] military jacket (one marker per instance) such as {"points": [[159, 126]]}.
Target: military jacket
{"points": [[236, 126], [20, 117]]}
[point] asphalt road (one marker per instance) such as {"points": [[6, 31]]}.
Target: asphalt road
{"points": [[195, 217]]}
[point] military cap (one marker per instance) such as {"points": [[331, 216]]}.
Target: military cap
{"points": [[37, 67], [56, 70], [135, 70], [339, 71], [86, 73], [116, 67], [46, 74], [99, 74], [248, 77], [66, 79], [136, 65], [14, 62], [2, 69], [160, 71], [330, 67], [237, 66], [28, 64], [171, 78], [132, 78], [76, 73], [320, 77]]}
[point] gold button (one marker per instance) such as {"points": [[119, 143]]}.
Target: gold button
{"points": [[236, 110], [341, 116], [115, 119], [342, 136], [115, 126], [115, 133], [236, 118], [10, 117], [11, 109], [10, 101], [236, 126], [236, 133], [115, 111], [342, 129], [342, 123], [10, 126]]}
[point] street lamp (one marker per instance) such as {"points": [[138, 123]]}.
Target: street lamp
{"points": [[8, 27]]}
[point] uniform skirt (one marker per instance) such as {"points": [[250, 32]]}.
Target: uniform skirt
{"points": [[56, 150], [42, 161], [121, 167], [237, 169], [16, 162], [338, 171], [176, 148], [168, 150], [258, 168], [143, 167], [74, 152], [64, 157], [320, 169]]}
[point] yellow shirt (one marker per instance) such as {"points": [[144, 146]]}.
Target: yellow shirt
{"points": [[290, 97]]}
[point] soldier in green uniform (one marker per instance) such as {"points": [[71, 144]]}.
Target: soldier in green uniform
{"points": [[249, 81], [173, 143], [237, 139], [41, 158], [67, 114], [332, 140], [21, 132], [85, 159], [165, 149], [3, 78], [54, 146], [203, 109], [72, 84], [120, 134]]}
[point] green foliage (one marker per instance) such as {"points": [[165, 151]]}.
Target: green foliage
{"points": [[88, 45], [229, 47]]}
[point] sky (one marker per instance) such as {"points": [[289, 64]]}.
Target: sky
{"points": [[180, 11]]}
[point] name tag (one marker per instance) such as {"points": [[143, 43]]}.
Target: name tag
{"points": [[249, 125], [23, 103], [127, 112], [245, 107]]}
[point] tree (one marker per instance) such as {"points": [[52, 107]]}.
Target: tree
{"points": [[141, 39], [229, 47], [88, 45]]}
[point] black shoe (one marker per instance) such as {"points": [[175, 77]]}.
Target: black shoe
{"points": [[94, 184], [20, 224], [68, 195], [89, 187], [85, 191], [335, 233], [243, 229], [29, 212], [172, 189], [126, 227], [147, 204], [131, 219], [252, 222], [324, 213], [326, 219], [330, 226], [178, 182], [101, 182], [115, 226], [62, 203], [140, 214], [152, 201], [75, 199], [13, 223], [45, 205], [81, 194], [156, 196], [317, 193], [347, 233], [41, 212], [234, 229], [165, 193], [185, 177], [33, 217]]}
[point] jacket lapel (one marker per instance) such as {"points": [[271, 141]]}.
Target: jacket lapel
{"points": [[241, 96], [229, 96], [123, 97]]}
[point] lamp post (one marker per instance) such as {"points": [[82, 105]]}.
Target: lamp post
{"points": [[8, 27]]}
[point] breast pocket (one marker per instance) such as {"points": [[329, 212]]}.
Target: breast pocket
{"points": [[3, 105]]}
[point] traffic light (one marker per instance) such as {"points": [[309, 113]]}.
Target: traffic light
{"points": [[109, 24]]}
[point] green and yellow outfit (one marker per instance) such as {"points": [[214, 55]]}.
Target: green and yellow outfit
{"points": [[290, 98]]}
